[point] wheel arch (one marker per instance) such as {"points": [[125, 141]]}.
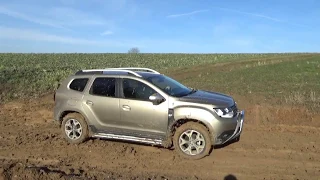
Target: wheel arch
{"points": [[66, 112], [192, 113]]}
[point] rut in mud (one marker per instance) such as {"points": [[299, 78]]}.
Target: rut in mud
{"points": [[281, 146]]}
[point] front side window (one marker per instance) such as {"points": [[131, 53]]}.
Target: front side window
{"points": [[133, 89], [78, 84], [104, 87]]}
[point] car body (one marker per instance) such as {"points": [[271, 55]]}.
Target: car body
{"points": [[142, 105]]}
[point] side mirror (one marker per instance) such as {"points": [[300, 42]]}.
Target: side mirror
{"points": [[156, 98]]}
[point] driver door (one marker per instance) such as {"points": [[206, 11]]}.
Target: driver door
{"points": [[138, 113]]}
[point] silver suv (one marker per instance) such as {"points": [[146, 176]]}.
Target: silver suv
{"points": [[142, 105]]}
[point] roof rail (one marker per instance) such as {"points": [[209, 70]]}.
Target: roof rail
{"points": [[114, 70], [136, 68]]}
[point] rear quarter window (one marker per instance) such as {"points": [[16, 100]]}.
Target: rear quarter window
{"points": [[78, 84]]}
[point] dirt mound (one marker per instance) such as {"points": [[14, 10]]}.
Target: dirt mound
{"points": [[31, 147]]}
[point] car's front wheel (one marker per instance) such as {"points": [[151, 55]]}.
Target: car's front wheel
{"points": [[192, 140], [74, 128]]}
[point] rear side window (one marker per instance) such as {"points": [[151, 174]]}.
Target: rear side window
{"points": [[104, 87], [78, 84]]}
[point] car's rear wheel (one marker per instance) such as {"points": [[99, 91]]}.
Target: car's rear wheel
{"points": [[192, 140], [74, 128]]}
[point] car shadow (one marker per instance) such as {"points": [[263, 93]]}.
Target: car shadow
{"points": [[230, 177]]}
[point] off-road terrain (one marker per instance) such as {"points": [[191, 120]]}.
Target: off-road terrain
{"points": [[32, 148], [279, 141]]}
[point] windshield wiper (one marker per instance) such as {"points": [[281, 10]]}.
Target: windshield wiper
{"points": [[192, 91]]}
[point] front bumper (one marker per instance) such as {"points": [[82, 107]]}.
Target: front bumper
{"points": [[231, 135]]}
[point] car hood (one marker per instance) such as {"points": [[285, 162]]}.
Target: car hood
{"points": [[207, 97]]}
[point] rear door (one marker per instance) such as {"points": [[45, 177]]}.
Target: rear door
{"points": [[102, 102]]}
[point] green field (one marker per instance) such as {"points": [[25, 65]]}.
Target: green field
{"points": [[293, 78], [286, 80]]}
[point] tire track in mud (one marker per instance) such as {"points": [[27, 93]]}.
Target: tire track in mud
{"points": [[29, 139]]}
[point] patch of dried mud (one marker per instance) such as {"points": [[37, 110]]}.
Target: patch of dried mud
{"points": [[277, 143]]}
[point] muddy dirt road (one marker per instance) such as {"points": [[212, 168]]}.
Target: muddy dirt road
{"points": [[31, 148]]}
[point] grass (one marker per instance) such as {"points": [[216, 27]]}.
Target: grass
{"points": [[291, 77], [293, 80]]}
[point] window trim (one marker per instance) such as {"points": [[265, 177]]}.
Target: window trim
{"points": [[72, 80]]}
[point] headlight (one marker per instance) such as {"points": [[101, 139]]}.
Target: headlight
{"points": [[224, 112]]}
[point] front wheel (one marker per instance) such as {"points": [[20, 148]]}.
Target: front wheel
{"points": [[192, 140]]}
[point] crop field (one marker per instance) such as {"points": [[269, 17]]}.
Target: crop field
{"points": [[279, 92], [25, 75]]}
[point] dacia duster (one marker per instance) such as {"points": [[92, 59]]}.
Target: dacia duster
{"points": [[141, 105]]}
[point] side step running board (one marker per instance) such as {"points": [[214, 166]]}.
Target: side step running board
{"points": [[128, 138]]}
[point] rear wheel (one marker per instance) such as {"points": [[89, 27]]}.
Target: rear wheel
{"points": [[74, 128], [192, 140]]}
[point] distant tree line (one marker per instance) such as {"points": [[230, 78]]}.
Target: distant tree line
{"points": [[134, 50]]}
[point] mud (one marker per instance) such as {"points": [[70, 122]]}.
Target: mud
{"points": [[281, 145]]}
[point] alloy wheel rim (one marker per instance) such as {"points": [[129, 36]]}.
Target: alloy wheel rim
{"points": [[192, 142], [73, 129]]}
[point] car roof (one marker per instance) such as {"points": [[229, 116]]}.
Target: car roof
{"points": [[143, 74], [148, 74]]}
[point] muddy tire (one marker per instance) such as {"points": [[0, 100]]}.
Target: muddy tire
{"points": [[192, 141], [74, 128]]}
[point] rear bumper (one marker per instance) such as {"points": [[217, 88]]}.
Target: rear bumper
{"points": [[232, 134]]}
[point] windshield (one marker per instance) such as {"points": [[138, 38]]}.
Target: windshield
{"points": [[170, 86]]}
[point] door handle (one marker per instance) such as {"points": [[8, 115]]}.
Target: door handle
{"points": [[90, 103], [126, 107]]}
